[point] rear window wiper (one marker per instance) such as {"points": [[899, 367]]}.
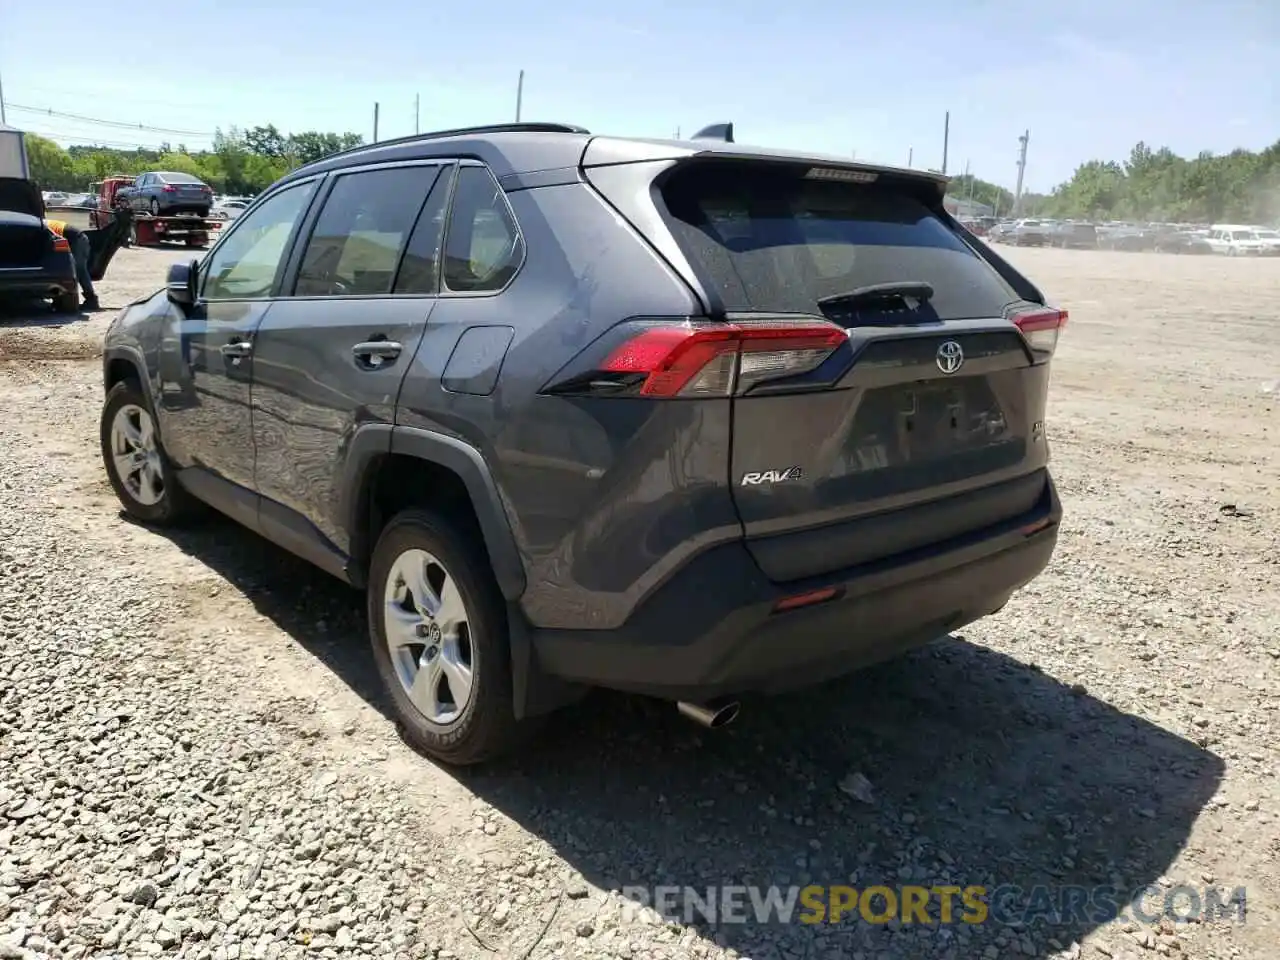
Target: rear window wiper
{"points": [[913, 289]]}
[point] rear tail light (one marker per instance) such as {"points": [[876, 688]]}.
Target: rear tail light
{"points": [[1041, 326], [170, 188], [706, 360], [60, 244]]}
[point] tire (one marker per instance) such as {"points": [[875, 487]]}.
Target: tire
{"points": [[421, 549], [155, 207], [162, 504], [68, 301]]}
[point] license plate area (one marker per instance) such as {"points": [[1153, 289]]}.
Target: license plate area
{"points": [[909, 424]]}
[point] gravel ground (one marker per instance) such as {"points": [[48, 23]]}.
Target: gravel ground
{"points": [[193, 759]]}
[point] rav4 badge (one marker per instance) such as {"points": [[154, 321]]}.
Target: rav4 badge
{"points": [[772, 476]]}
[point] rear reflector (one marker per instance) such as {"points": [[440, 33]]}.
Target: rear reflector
{"points": [[1041, 326], [721, 359], [806, 599]]}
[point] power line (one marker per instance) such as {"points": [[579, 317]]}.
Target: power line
{"points": [[80, 139], [117, 124]]}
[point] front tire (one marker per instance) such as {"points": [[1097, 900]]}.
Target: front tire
{"points": [[438, 628], [139, 470]]}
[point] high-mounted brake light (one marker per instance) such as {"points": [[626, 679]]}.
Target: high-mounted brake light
{"points": [[841, 173], [1041, 327], [707, 360]]}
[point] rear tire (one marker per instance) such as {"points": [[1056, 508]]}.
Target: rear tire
{"points": [[438, 629], [155, 207], [68, 301], [144, 479]]}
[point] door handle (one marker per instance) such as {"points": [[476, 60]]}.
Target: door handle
{"points": [[375, 352], [237, 349]]}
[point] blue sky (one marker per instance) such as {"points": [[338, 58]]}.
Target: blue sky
{"points": [[1089, 78]]}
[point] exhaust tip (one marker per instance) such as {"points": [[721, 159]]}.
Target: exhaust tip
{"points": [[712, 715]]}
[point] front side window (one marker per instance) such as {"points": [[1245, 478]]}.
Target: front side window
{"points": [[483, 249], [244, 265], [355, 247]]}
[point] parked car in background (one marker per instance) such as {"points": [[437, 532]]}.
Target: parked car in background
{"points": [[573, 475], [1030, 233], [228, 208], [1182, 242], [1073, 235], [1125, 236], [1000, 231], [164, 194], [1236, 240], [1270, 241], [35, 263]]}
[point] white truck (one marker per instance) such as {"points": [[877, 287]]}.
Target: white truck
{"points": [[13, 154]]}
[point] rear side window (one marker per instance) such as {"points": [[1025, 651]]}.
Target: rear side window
{"points": [[772, 240], [355, 247], [483, 249]]}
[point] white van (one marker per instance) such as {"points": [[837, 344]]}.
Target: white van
{"points": [[1235, 240]]}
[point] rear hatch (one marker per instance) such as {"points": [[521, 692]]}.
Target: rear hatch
{"points": [[24, 241], [921, 420]]}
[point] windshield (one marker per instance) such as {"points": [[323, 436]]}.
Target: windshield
{"points": [[770, 240]]}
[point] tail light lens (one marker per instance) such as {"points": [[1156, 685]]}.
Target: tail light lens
{"points": [[1041, 326], [170, 188], [60, 244], [682, 359]]}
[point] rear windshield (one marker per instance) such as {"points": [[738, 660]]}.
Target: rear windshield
{"points": [[180, 178], [771, 240]]}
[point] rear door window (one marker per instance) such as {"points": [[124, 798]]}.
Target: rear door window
{"points": [[356, 244], [773, 240]]}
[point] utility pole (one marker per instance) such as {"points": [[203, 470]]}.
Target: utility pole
{"points": [[677, 133], [375, 122], [519, 95], [946, 140], [2, 120], [416, 103], [1022, 169], [911, 155]]}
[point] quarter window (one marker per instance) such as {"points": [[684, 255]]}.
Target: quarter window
{"points": [[483, 249], [355, 247], [245, 264]]}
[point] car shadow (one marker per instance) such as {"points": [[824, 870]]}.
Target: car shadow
{"points": [[954, 766], [27, 314]]}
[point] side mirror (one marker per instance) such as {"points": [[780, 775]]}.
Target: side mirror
{"points": [[181, 283]]}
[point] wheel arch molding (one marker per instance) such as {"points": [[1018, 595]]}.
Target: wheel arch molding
{"points": [[372, 444]]}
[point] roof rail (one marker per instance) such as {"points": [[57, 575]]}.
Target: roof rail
{"points": [[464, 131], [717, 131]]}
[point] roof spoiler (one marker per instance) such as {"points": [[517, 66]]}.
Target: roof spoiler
{"points": [[717, 131]]}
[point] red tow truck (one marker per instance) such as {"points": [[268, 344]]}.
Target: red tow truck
{"points": [[146, 230]]}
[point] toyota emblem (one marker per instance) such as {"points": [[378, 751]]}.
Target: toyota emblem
{"points": [[950, 357]]}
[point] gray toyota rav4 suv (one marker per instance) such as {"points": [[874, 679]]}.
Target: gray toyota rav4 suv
{"points": [[689, 419]]}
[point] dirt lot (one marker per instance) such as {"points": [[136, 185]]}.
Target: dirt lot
{"points": [[193, 761]]}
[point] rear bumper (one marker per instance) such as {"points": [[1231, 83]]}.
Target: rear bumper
{"points": [[37, 282], [712, 631]]}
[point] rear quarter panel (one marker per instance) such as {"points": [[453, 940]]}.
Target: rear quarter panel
{"points": [[607, 498]]}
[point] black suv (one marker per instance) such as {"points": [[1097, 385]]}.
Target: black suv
{"points": [[684, 418]]}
